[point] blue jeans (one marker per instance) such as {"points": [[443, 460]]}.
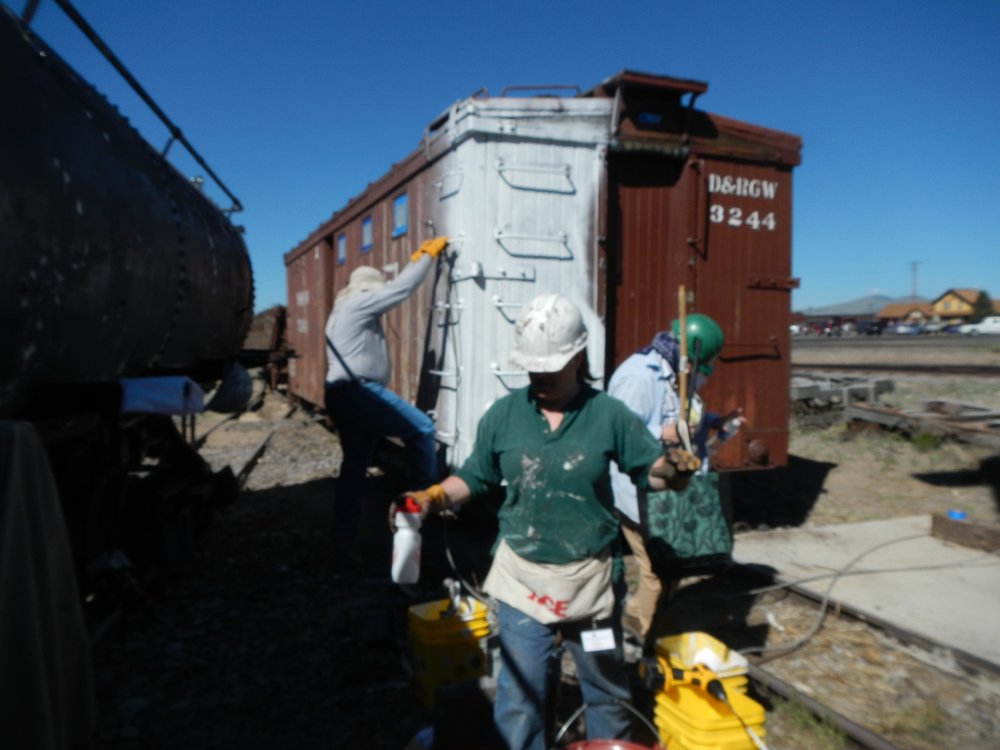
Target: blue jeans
{"points": [[363, 412], [526, 647]]}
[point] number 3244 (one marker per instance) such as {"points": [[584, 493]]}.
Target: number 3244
{"points": [[734, 217]]}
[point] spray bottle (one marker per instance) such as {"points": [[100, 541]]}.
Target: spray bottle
{"points": [[732, 424], [406, 543]]}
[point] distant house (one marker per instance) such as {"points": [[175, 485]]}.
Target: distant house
{"points": [[955, 305], [911, 312]]}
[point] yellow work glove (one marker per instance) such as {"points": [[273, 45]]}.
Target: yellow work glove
{"points": [[433, 498], [430, 247]]}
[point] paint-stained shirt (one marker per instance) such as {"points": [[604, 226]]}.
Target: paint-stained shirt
{"points": [[558, 506]]}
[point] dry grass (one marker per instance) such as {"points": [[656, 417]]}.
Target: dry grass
{"points": [[878, 473], [792, 726]]}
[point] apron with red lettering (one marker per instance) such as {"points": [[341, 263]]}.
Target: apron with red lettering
{"points": [[549, 592]]}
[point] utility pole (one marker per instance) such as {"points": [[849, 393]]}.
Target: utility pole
{"points": [[913, 276]]}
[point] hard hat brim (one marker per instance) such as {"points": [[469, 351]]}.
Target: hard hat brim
{"points": [[548, 363]]}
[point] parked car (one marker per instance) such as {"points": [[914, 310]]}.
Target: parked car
{"points": [[870, 328], [986, 325], [908, 329], [934, 326]]}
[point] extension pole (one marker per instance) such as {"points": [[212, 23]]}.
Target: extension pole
{"points": [[683, 360]]}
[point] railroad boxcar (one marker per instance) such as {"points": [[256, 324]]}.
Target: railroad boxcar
{"points": [[615, 197]]}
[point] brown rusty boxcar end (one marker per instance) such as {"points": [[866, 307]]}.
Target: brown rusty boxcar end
{"points": [[614, 197]]}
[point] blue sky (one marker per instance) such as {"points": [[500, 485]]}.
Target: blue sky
{"points": [[297, 106]]}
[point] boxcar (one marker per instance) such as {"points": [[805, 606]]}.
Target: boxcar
{"points": [[615, 197]]}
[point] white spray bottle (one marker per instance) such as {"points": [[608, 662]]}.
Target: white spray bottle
{"points": [[406, 543]]}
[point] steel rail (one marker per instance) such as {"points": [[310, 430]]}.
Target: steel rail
{"points": [[857, 733], [244, 472], [976, 370], [964, 658]]}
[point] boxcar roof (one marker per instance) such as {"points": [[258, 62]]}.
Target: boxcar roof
{"points": [[649, 116]]}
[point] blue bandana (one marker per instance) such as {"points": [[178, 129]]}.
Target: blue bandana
{"points": [[667, 347]]}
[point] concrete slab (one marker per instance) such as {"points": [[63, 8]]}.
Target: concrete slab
{"points": [[939, 591]]}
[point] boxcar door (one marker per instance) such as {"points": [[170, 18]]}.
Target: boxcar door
{"points": [[743, 279]]}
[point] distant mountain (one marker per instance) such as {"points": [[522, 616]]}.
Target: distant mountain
{"points": [[869, 305]]}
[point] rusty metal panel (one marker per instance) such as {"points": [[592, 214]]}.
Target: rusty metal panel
{"points": [[744, 277], [722, 229], [309, 279], [314, 277], [648, 227]]}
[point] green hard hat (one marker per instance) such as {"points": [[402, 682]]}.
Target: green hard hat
{"points": [[701, 328]]}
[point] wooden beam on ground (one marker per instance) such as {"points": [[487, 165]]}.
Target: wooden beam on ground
{"points": [[974, 534]]}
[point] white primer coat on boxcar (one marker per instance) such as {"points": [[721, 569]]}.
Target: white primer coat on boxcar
{"points": [[517, 194]]}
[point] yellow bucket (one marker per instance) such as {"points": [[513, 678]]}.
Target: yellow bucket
{"points": [[686, 650], [447, 644], [688, 719]]}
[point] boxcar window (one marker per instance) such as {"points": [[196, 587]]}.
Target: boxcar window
{"points": [[399, 216], [341, 249], [366, 234]]}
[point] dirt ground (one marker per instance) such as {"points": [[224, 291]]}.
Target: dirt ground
{"points": [[865, 474], [260, 643]]}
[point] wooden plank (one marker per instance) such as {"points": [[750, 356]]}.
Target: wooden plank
{"points": [[931, 423], [974, 534], [961, 412]]}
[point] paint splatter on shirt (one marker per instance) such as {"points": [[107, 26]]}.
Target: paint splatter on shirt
{"points": [[558, 505]]}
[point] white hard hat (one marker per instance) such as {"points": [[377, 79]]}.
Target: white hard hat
{"points": [[363, 279], [548, 333]]}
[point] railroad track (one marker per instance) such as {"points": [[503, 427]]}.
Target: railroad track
{"points": [[863, 676], [921, 369]]}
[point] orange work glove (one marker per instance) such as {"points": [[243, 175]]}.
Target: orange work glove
{"points": [[430, 247], [431, 500]]}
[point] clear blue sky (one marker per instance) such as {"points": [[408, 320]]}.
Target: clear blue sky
{"points": [[298, 106]]}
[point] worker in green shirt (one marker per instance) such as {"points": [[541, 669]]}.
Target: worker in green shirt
{"points": [[552, 444]]}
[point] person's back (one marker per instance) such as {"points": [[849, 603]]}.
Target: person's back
{"points": [[356, 346], [356, 398]]}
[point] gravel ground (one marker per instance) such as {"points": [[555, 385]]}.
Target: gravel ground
{"points": [[260, 643]]}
